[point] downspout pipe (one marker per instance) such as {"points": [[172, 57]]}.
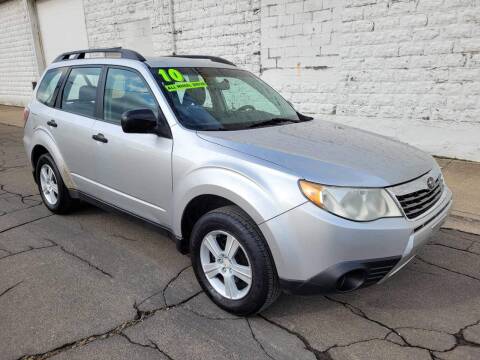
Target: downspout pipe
{"points": [[172, 28]]}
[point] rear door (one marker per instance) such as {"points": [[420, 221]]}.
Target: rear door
{"points": [[133, 170], [74, 119]]}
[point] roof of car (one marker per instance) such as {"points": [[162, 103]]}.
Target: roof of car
{"points": [[171, 61], [79, 56]]}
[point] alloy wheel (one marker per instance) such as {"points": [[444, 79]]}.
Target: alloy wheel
{"points": [[49, 185], [226, 265]]}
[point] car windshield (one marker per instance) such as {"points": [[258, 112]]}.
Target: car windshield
{"points": [[223, 99]]}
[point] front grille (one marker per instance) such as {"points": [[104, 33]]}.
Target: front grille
{"points": [[416, 203], [377, 270]]}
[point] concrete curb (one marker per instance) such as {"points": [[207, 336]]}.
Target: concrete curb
{"points": [[11, 115]]}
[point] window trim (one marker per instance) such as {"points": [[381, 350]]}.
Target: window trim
{"points": [[161, 121], [101, 113], [58, 102], [52, 102]]}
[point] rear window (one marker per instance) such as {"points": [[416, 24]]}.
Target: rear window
{"points": [[50, 82]]}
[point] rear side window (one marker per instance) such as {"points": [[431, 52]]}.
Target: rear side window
{"points": [[80, 91], [50, 82], [126, 90]]}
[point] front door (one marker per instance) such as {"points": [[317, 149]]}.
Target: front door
{"points": [[133, 171]]}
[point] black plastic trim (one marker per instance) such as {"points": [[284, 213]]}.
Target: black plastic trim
{"points": [[434, 217], [100, 93], [211, 58], [326, 281], [80, 54], [58, 97]]}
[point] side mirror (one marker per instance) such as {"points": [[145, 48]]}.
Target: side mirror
{"points": [[144, 121], [140, 121]]}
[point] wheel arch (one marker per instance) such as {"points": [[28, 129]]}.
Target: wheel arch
{"points": [[195, 209], [37, 151], [204, 198], [246, 198], [44, 144]]}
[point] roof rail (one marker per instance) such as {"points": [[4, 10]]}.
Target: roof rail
{"points": [[80, 54], [212, 58]]}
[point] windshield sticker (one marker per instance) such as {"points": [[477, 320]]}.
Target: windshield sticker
{"points": [[186, 85], [171, 75]]}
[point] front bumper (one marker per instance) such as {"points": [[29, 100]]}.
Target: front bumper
{"points": [[317, 252]]}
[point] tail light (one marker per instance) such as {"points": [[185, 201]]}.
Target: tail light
{"points": [[26, 112]]}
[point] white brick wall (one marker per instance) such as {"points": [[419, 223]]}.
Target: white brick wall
{"points": [[112, 23], [226, 28], [17, 60], [406, 69], [409, 69], [230, 29]]}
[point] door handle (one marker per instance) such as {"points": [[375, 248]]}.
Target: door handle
{"points": [[100, 137], [52, 123]]}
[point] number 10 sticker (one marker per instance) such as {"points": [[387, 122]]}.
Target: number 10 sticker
{"points": [[171, 75]]}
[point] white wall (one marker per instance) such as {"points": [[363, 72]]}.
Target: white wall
{"points": [[62, 27], [18, 67], [228, 28], [409, 69]]}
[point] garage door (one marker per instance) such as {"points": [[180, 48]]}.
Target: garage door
{"points": [[62, 27]]}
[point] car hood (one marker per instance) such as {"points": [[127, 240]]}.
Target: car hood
{"points": [[329, 153]]}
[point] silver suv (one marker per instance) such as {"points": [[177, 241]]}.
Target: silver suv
{"points": [[262, 197]]}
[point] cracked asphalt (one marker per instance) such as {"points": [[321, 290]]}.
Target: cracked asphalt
{"points": [[95, 285]]}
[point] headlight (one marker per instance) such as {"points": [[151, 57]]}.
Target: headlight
{"points": [[352, 203]]}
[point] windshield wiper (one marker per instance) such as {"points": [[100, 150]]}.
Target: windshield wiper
{"points": [[270, 122], [214, 129]]}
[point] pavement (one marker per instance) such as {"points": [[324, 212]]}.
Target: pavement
{"points": [[463, 178], [96, 285], [11, 115]]}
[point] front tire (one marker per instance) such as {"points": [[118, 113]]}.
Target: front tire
{"points": [[232, 262], [54, 194]]}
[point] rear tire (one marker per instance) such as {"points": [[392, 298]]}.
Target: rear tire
{"points": [[228, 283], [54, 194]]}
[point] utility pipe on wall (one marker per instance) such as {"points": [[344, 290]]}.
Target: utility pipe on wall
{"points": [[172, 27]]}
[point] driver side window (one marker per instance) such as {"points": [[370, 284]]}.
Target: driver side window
{"points": [[125, 90], [240, 94]]}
